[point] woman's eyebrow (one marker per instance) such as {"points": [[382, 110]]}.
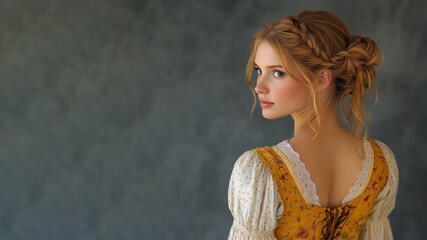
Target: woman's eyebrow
{"points": [[271, 66]]}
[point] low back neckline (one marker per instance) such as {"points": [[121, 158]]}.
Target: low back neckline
{"points": [[309, 187]]}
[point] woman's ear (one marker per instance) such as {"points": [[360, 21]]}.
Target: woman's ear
{"points": [[324, 78]]}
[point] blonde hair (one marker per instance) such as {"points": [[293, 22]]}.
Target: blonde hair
{"points": [[315, 40]]}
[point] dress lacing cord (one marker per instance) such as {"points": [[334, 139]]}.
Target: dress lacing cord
{"points": [[335, 219]]}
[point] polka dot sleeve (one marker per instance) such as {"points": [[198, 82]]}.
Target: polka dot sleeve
{"points": [[378, 225], [253, 199]]}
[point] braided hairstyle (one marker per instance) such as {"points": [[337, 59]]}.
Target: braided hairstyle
{"points": [[315, 40]]}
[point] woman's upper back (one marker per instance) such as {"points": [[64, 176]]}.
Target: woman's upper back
{"points": [[333, 167], [256, 205], [310, 187]]}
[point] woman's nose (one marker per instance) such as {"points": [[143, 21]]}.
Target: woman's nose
{"points": [[260, 86]]}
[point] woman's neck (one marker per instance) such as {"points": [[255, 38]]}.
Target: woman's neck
{"points": [[330, 128]]}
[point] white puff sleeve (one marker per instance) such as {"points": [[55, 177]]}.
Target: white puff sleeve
{"points": [[253, 199], [378, 225]]}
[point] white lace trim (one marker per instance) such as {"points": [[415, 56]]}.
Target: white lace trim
{"points": [[310, 187], [302, 172], [361, 178]]}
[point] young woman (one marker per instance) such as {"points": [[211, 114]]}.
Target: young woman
{"points": [[325, 182]]}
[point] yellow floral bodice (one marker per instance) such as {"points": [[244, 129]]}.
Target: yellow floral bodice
{"points": [[302, 220]]}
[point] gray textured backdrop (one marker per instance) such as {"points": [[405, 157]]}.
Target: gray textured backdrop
{"points": [[122, 119]]}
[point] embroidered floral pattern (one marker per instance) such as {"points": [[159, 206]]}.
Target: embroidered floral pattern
{"points": [[375, 185], [284, 176], [366, 198], [277, 161], [303, 233]]}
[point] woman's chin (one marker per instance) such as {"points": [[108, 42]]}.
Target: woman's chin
{"points": [[271, 116]]}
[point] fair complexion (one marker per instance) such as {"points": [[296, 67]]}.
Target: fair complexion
{"points": [[274, 85], [331, 159]]}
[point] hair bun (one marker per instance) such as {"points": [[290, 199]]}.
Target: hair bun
{"points": [[361, 53], [356, 65]]}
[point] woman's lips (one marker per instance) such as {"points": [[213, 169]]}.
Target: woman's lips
{"points": [[265, 104]]}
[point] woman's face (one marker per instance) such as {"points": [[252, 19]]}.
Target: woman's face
{"points": [[275, 86]]}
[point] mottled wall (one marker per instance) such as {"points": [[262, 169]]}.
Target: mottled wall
{"points": [[122, 119]]}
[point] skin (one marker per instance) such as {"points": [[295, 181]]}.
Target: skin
{"points": [[335, 158]]}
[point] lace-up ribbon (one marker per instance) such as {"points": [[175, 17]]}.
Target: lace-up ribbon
{"points": [[335, 219]]}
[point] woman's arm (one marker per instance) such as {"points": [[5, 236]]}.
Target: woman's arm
{"points": [[378, 225], [253, 199]]}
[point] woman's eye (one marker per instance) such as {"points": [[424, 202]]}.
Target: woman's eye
{"points": [[278, 74], [258, 71]]}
